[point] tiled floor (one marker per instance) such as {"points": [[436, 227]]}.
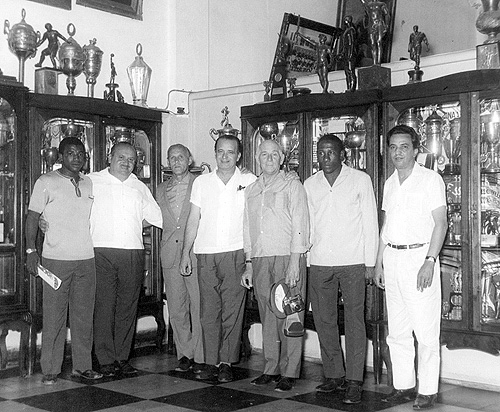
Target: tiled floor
{"points": [[159, 388]]}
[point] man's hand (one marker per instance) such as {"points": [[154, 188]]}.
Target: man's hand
{"points": [[425, 275], [292, 275], [43, 224], [247, 277], [32, 260], [185, 266], [379, 276], [369, 275]]}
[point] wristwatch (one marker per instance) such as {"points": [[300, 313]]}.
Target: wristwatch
{"points": [[28, 251], [430, 258]]}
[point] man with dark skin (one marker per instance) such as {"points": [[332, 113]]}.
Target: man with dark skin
{"points": [[51, 35], [65, 198]]}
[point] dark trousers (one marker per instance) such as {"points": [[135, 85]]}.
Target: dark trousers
{"points": [[120, 274], [324, 283], [76, 295], [222, 304]]}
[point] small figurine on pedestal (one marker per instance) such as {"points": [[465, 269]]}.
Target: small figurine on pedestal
{"points": [[378, 25], [113, 94], [52, 37], [415, 50], [348, 53]]}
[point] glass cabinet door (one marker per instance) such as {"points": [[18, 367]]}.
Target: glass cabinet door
{"points": [[439, 127], [8, 141], [489, 163]]}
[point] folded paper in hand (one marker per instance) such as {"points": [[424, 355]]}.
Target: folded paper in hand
{"points": [[52, 280]]}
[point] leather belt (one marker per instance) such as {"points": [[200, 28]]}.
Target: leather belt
{"points": [[412, 246]]}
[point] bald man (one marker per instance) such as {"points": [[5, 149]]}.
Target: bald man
{"points": [[276, 237]]}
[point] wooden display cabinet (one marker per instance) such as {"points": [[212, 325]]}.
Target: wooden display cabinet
{"points": [[14, 175], [99, 124], [297, 123], [458, 119]]}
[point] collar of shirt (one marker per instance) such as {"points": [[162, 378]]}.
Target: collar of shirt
{"points": [[271, 180], [173, 181]]}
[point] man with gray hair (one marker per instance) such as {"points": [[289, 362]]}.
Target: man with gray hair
{"points": [[182, 292], [276, 237]]}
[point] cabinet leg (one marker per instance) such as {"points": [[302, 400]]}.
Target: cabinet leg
{"points": [[4, 331]]}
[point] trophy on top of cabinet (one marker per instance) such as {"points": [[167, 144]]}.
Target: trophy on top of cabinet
{"points": [[227, 129], [22, 40], [92, 65], [415, 50], [113, 94], [139, 74], [71, 59], [52, 37], [488, 22]]}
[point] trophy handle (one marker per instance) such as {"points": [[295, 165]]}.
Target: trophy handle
{"points": [[6, 27], [214, 134]]}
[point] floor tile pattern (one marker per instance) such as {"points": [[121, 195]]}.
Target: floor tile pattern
{"points": [[158, 387]]}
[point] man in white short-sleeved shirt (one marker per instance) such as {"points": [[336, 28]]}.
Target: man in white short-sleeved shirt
{"points": [[215, 227], [412, 235]]}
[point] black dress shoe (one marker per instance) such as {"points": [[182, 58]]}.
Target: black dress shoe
{"points": [[225, 373], [399, 395], [126, 368], [425, 401], [265, 379], [354, 392], [108, 370], [197, 367], [285, 384], [184, 364], [332, 384]]}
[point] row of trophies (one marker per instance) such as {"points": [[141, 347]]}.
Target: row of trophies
{"points": [[74, 60]]}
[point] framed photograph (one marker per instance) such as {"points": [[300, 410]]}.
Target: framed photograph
{"points": [[62, 4], [357, 10], [127, 8]]}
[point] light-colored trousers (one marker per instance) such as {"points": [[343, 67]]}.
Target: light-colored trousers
{"points": [[409, 310], [183, 302], [282, 354]]}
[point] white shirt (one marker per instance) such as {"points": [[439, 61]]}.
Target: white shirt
{"points": [[408, 207], [119, 209], [344, 223], [221, 222]]}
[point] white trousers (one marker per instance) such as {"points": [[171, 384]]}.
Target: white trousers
{"points": [[409, 310]]}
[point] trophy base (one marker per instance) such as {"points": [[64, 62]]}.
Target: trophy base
{"points": [[415, 76], [488, 56], [46, 80], [490, 170], [451, 169], [9, 80], [374, 77]]}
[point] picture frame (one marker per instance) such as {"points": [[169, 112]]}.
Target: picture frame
{"points": [[62, 4], [127, 8], [356, 9]]}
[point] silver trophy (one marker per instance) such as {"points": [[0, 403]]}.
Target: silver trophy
{"points": [[353, 140], [490, 136], [22, 40], [451, 145], [71, 60], [92, 65]]}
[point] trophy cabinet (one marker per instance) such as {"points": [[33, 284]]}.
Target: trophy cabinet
{"points": [[297, 123], [14, 177], [99, 124], [458, 119]]}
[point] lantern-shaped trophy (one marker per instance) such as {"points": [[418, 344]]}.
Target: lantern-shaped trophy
{"points": [[92, 66], [139, 74]]}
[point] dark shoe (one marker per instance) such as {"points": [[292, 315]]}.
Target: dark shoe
{"points": [[197, 367], [265, 379], [225, 373], [285, 384], [209, 372], [184, 364], [332, 384], [425, 401], [353, 392], [89, 374], [398, 395], [49, 379], [108, 370], [127, 369]]}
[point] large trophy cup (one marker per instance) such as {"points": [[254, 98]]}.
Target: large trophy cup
{"points": [[227, 129], [353, 141], [433, 128], [22, 41], [490, 136], [451, 145], [92, 65], [289, 142], [71, 59], [488, 22]]}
